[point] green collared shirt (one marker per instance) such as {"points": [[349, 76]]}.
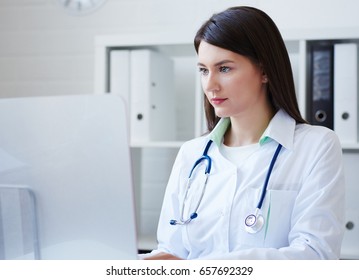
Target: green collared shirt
{"points": [[280, 129]]}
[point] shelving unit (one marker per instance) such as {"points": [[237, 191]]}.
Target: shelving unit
{"points": [[189, 124], [187, 91], [180, 49]]}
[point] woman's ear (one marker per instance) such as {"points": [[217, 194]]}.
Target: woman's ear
{"points": [[264, 75], [264, 79]]}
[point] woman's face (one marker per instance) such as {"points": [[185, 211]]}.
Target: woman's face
{"points": [[233, 84]]}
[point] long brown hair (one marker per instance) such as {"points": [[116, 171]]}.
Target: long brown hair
{"points": [[252, 33]]}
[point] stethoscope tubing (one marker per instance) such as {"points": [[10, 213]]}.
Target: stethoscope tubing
{"points": [[194, 213], [264, 189], [205, 156]]}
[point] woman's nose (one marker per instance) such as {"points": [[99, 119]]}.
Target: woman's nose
{"points": [[210, 83]]}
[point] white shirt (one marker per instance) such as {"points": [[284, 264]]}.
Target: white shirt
{"points": [[303, 207], [238, 155]]}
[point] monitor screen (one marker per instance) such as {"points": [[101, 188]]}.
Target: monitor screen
{"points": [[72, 153]]}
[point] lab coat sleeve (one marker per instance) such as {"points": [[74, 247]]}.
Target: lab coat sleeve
{"points": [[169, 236], [317, 225]]}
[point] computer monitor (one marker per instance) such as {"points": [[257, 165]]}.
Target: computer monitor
{"points": [[72, 153]]}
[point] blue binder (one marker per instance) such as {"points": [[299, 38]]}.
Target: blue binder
{"points": [[320, 93]]}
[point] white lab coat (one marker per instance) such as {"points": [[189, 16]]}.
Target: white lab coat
{"points": [[303, 206]]}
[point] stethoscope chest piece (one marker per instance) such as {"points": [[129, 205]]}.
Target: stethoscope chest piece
{"points": [[254, 222]]}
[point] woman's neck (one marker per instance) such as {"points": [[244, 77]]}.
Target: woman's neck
{"points": [[247, 128]]}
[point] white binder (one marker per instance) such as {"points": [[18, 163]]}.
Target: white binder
{"points": [[152, 113], [120, 74], [346, 92], [350, 244]]}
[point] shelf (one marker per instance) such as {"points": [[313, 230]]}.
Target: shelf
{"points": [[178, 144], [159, 144], [350, 146], [320, 33]]}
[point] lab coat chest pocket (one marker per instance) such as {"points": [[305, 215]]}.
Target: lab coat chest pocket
{"points": [[279, 212]]}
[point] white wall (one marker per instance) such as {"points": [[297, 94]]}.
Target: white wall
{"points": [[44, 51]]}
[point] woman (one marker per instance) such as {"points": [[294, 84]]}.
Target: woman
{"points": [[276, 184]]}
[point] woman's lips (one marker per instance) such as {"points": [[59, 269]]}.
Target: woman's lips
{"points": [[218, 101]]}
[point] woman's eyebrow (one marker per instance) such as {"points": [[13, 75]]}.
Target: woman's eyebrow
{"points": [[218, 63]]}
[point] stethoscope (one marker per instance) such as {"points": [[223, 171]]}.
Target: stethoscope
{"points": [[253, 222]]}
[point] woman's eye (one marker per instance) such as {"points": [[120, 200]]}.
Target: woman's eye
{"points": [[203, 71], [224, 69]]}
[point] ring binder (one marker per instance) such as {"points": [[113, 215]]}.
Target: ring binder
{"points": [[346, 91], [320, 99]]}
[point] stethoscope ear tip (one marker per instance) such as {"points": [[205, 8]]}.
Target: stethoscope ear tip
{"points": [[194, 216]]}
